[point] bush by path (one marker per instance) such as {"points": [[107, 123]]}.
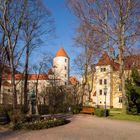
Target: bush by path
{"points": [[40, 124]]}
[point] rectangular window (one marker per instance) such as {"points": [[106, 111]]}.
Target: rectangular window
{"points": [[105, 92], [65, 60], [100, 92], [65, 75], [103, 69], [120, 99], [65, 67], [105, 81], [100, 81], [120, 87]]}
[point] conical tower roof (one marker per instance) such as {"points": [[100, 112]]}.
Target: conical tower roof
{"points": [[61, 52]]}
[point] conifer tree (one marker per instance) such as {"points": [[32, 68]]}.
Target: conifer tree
{"points": [[133, 92]]}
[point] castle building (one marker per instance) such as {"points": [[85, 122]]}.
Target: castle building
{"points": [[59, 74], [106, 81]]}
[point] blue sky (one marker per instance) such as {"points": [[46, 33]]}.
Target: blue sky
{"points": [[65, 24]]}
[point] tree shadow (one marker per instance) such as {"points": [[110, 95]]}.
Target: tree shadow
{"points": [[9, 133]]}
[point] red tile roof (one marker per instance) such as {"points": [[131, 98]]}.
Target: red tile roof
{"points": [[61, 52], [132, 61], [30, 77], [73, 80], [104, 60], [129, 61]]}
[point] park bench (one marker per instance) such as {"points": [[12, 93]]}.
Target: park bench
{"points": [[87, 110]]}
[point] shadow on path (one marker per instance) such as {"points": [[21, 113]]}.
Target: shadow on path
{"points": [[9, 133]]}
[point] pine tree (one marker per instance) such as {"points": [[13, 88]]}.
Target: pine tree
{"points": [[132, 85]]}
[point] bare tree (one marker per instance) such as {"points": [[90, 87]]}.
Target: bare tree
{"points": [[37, 23], [11, 20], [88, 41], [117, 20]]}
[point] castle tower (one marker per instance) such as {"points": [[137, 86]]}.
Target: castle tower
{"points": [[61, 66]]}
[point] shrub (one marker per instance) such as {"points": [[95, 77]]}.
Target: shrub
{"points": [[18, 116], [101, 112], [132, 111], [76, 109], [43, 109], [41, 124]]}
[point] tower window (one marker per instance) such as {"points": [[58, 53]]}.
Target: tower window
{"points": [[65, 67], [65, 75], [100, 81], [100, 92], [65, 60]]}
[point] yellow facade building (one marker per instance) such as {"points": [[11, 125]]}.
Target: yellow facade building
{"points": [[106, 89]]}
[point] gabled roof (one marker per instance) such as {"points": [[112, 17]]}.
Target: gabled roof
{"points": [[129, 62], [61, 52], [104, 60]]}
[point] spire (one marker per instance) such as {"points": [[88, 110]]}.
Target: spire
{"points": [[61, 52]]}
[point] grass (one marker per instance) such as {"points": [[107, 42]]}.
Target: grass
{"points": [[117, 114]]}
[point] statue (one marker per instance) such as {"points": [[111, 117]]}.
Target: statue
{"points": [[33, 103]]}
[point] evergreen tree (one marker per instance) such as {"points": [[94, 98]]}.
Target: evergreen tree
{"points": [[132, 85]]}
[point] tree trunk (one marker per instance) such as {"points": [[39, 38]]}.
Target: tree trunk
{"points": [[26, 81], [13, 88], [0, 86], [36, 107], [121, 61]]}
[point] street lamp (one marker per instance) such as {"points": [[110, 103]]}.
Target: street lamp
{"points": [[105, 92]]}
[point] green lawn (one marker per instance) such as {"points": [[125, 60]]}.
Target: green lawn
{"points": [[117, 114]]}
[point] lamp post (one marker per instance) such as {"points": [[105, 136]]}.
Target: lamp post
{"points": [[105, 92]]}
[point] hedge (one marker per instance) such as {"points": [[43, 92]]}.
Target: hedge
{"points": [[101, 112], [41, 124]]}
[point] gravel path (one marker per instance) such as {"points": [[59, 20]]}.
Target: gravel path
{"points": [[82, 127]]}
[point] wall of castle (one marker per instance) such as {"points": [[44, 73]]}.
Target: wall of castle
{"points": [[61, 69]]}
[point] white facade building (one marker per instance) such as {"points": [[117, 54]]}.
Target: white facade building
{"points": [[61, 67]]}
